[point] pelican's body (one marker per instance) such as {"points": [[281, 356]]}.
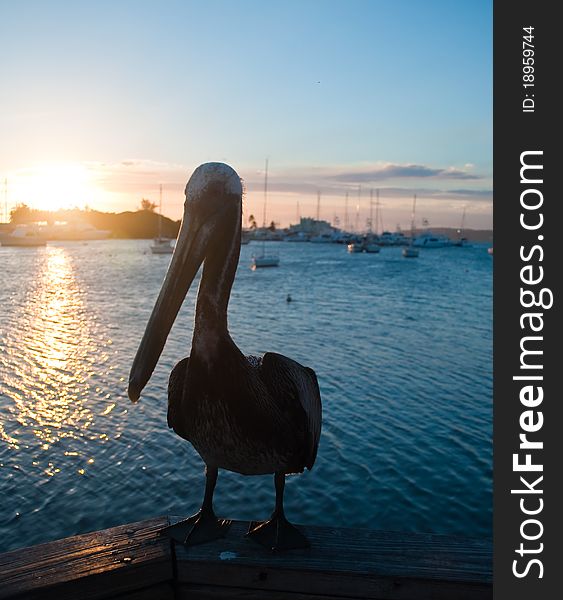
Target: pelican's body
{"points": [[254, 426], [245, 414]]}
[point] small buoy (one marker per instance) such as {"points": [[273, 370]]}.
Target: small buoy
{"points": [[288, 299]]}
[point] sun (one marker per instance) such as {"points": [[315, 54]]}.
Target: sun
{"points": [[56, 186]]}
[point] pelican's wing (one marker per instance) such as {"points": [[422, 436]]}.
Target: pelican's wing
{"points": [[301, 382], [175, 392]]}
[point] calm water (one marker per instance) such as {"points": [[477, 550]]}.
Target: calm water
{"points": [[402, 349]]}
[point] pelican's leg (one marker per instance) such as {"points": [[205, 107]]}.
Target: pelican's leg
{"points": [[204, 526], [278, 533]]}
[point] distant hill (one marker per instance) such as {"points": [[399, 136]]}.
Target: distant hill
{"points": [[140, 224]]}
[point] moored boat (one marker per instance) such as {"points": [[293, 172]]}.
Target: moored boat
{"points": [[161, 244], [75, 231], [23, 236], [370, 244], [355, 247], [461, 243], [398, 238], [263, 259], [410, 251], [431, 240], [270, 260]]}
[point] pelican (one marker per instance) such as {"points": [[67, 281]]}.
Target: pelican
{"points": [[247, 414]]}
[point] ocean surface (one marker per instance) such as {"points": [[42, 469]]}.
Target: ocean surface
{"points": [[402, 349]]}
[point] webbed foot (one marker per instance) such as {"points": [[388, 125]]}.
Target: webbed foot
{"points": [[200, 528], [277, 534]]}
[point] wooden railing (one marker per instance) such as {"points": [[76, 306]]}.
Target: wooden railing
{"points": [[136, 562]]}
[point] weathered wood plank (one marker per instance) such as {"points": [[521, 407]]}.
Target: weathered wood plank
{"points": [[97, 565], [134, 562], [345, 563]]}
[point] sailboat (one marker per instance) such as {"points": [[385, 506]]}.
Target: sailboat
{"points": [[410, 251], [370, 243], [263, 259], [160, 244], [356, 244], [462, 241]]}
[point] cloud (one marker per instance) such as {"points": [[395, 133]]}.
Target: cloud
{"points": [[398, 171], [476, 194], [392, 181], [139, 176]]}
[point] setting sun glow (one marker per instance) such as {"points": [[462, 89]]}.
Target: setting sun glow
{"points": [[57, 186]]}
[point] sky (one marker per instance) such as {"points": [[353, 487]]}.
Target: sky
{"points": [[101, 103]]}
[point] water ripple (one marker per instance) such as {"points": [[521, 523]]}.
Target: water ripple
{"points": [[402, 350]]}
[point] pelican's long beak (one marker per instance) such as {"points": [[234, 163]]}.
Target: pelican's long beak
{"points": [[210, 183], [189, 253]]}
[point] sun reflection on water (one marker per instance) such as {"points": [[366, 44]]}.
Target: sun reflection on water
{"points": [[50, 350]]}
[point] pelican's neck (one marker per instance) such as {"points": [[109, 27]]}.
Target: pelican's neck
{"points": [[216, 282]]}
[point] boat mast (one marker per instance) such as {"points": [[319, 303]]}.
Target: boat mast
{"points": [[357, 226], [318, 204], [377, 213], [371, 211], [160, 212], [6, 199], [412, 218], [264, 209], [265, 196], [346, 223], [462, 222]]}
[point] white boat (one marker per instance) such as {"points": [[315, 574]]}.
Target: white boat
{"points": [[161, 244], [76, 231], [461, 243], [355, 247], [370, 242], [410, 251], [263, 259], [23, 236], [490, 250], [431, 240], [398, 238], [371, 248]]}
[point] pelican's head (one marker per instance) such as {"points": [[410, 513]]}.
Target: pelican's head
{"points": [[219, 177], [213, 202]]}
